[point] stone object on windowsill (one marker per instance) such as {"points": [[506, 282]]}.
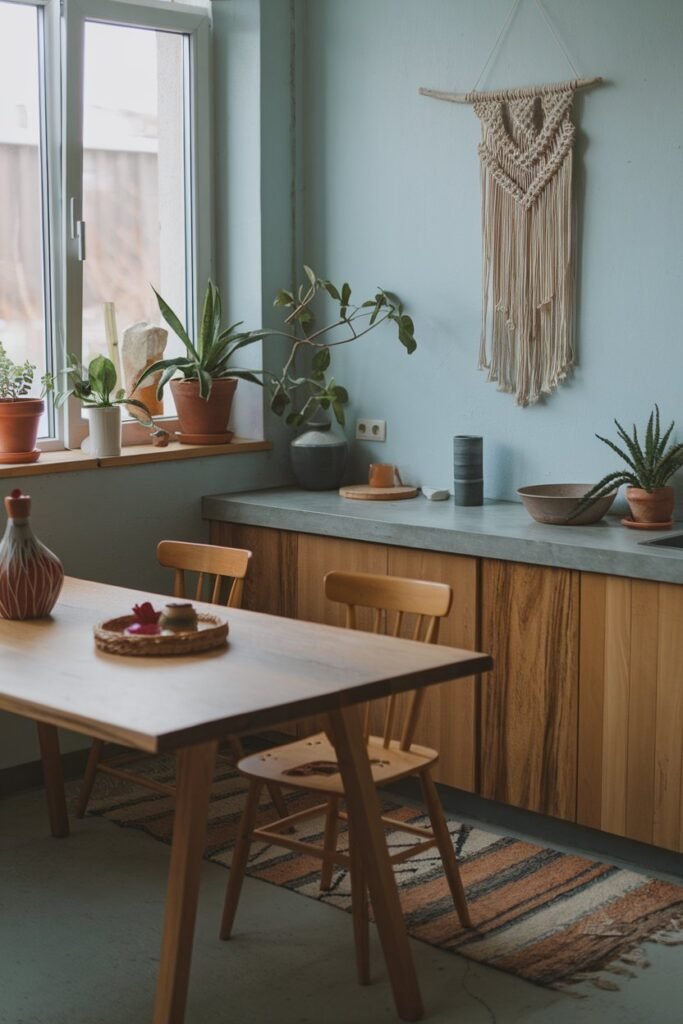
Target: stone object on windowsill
{"points": [[160, 437], [142, 345]]}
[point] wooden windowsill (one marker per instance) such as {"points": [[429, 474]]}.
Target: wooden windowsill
{"points": [[132, 455]]}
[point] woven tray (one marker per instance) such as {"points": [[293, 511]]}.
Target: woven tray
{"points": [[211, 633]]}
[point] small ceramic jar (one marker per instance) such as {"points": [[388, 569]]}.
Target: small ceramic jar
{"points": [[181, 618]]}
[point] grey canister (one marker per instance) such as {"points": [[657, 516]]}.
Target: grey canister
{"points": [[319, 457], [468, 470]]}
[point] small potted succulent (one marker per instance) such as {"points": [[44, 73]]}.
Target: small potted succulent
{"points": [[19, 414], [96, 388], [649, 465], [203, 381]]}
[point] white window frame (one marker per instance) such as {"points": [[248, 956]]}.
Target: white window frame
{"points": [[68, 25]]}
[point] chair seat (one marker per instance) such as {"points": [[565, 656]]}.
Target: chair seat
{"points": [[303, 764]]}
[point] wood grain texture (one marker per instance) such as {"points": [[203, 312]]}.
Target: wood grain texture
{"points": [[195, 775], [631, 709], [591, 699], [273, 670], [448, 720], [316, 556], [616, 702], [668, 792], [270, 586], [530, 625]]}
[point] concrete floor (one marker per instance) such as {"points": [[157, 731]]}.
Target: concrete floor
{"points": [[80, 922]]}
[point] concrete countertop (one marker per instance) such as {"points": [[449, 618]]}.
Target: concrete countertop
{"points": [[498, 529]]}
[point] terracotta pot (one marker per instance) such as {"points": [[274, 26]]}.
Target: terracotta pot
{"points": [[201, 415], [19, 422], [651, 506]]}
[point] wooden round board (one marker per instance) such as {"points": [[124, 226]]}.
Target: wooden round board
{"points": [[363, 492]]}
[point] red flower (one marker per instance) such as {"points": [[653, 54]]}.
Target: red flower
{"points": [[145, 615]]}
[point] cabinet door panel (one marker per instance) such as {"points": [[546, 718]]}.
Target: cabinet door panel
{"points": [[270, 586], [528, 736], [631, 701], [449, 714], [316, 557]]}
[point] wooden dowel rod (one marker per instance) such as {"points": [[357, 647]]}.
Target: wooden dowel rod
{"points": [[501, 94]]}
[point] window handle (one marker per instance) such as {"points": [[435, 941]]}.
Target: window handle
{"points": [[80, 240], [77, 228]]}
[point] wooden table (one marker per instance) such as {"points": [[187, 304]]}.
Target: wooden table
{"points": [[274, 670]]}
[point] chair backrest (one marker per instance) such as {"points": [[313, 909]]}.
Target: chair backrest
{"points": [[395, 601], [217, 563]]}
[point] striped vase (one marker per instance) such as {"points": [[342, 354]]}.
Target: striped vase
{"points": [[30, 575]]}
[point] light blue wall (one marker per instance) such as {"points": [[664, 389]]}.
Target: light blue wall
{"points": [[392, 198]]}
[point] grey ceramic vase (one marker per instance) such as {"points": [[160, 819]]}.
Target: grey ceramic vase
{"points": [[319, 457]]}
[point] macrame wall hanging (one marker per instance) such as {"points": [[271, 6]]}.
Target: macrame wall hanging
{"points": [[525, 152]]}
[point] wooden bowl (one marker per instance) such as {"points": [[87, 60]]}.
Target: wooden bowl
{"points": [[553, 503]]}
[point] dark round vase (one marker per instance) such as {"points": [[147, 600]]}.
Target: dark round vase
{"points": [[319, 457]]}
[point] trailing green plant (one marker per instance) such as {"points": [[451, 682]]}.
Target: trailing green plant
{"points": [[16, 379], [648, 464], [351, 322], [208, 358], [95, 386]]}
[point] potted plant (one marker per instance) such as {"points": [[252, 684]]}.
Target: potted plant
{"points": [[19, 414], [649, 465], [318, 456], [96, 388], [204, 391]]}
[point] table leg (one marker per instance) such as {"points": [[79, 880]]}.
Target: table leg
{"points": [[194, 776], [48, 738], [365, 819]]}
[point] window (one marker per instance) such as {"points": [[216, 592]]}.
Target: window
{"points": [[101, 190], [25, 326]]}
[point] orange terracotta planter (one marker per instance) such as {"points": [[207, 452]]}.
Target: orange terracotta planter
{"points": [[204, 416], [19, 422], [651, 506]]}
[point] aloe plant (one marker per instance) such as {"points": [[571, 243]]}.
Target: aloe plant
{"points": [[210, 357], [648, 465]]}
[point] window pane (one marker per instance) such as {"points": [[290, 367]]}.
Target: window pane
{"points": [[134, 181], [22, 303]]}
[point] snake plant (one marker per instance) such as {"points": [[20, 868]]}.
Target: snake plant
{"points": [[210, 357]]}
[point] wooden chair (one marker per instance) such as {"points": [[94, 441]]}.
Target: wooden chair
{"points": [[226, 569], [309, 764]]}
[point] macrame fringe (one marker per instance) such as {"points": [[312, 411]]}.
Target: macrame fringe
{"points": [[527, 253]]}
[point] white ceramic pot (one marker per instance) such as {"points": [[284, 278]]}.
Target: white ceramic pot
{"points": [[105, 431]]}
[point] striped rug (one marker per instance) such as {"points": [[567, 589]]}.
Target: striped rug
{"points": [[546, 916]]}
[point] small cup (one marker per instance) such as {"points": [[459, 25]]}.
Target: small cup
{"points": [[180, 618], [384, 474]]}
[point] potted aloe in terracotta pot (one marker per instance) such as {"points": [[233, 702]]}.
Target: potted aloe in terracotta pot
{"points": [[19, 414], [203, 381], [649, 465]]}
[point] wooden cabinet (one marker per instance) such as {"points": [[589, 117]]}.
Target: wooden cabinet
{"points": [[530, 624], [631, 709], [270, 586], [582, 716]]}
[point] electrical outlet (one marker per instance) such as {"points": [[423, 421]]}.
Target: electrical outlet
{"points": [[371, 430]]}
